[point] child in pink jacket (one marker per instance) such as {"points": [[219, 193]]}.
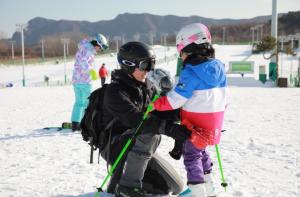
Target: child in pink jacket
{"points": [[201, 95]]}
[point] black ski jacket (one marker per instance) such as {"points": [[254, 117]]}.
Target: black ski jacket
{"points": [[127, 99]]}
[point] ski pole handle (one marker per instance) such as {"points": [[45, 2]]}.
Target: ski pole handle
{"points": [[150, 106]]}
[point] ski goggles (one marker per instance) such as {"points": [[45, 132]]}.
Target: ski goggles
{"points": [[144, 65], [102, 46]]}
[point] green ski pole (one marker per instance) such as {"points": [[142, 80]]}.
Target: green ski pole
{"points": [[224, 184], [149, 109]]}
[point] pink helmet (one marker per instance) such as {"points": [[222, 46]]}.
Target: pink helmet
{"points": [[194, 33]]}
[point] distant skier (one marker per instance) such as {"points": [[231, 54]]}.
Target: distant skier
{"points": [[201, 92], [81, 75], [103, 73]]}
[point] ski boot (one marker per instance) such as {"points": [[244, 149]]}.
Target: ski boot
{"points": [[75, 126], [123, 191], [197, 190], [209, 185]]}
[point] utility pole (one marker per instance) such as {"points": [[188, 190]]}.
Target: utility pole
{"points": [[163, 39], [257, 33], [252, 29], [117, 39], [12, 51], [274, 59], [151, 37], [117, 45], [43, 50], [21, 27], [65, 41], [297, 36], [291, 38], [67, 53], [123, 39], [164, 43], [224, 34], [261, 31]]}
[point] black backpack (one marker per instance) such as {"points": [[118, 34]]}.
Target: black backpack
{"points": [[92, 128]]}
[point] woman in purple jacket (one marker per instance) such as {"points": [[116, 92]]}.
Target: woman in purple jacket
{"points": [[81, 78]]}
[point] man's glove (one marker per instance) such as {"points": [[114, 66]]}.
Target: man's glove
{"points": [[176, 131], [166, 84], [162, 80], [152, 124], [176, 152]]}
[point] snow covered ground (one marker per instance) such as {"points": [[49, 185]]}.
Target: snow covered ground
{"points": [[260, 149]]}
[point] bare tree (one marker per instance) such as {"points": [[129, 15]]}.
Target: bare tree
{"points": [[3, 35]]}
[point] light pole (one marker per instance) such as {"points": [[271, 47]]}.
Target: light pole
{"points": [[151, 37], [261, 31], [117, 39], [274, 59], [163, 39], [164, 43], [123, 39], [43, 50], [67, 52], [257, 33], [259, 27], [12, 51], [65, 41], [21, 27], [297, 36], [224, 34], [252, 29], [291, 38]]}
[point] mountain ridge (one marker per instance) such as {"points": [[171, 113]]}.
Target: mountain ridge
{"points": [[126, 24]]}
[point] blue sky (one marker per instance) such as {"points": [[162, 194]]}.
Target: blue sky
{"points": [[21, 11]]}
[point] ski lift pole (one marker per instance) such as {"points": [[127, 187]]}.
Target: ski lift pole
{"points": [[145, 116], [224, 184]]}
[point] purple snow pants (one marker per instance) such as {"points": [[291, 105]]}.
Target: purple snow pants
{"points": [[197, 163]]}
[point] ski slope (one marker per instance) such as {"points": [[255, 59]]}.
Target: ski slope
{"points": [[260, 149]]}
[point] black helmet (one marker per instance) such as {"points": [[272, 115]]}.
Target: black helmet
{"points": [[136, 55]]}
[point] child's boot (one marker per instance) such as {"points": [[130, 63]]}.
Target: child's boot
{"points": [[209, 185], [197, 190]]}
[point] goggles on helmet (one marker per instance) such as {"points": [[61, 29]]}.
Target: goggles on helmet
{"points": [[102, 46], [144, 65]]}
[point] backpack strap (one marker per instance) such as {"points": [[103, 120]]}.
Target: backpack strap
{"points": [[108, 126], [91, 153]]}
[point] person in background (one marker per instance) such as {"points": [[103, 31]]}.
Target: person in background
{"points": [[81, 79], [201, 95], [103, 73]]}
